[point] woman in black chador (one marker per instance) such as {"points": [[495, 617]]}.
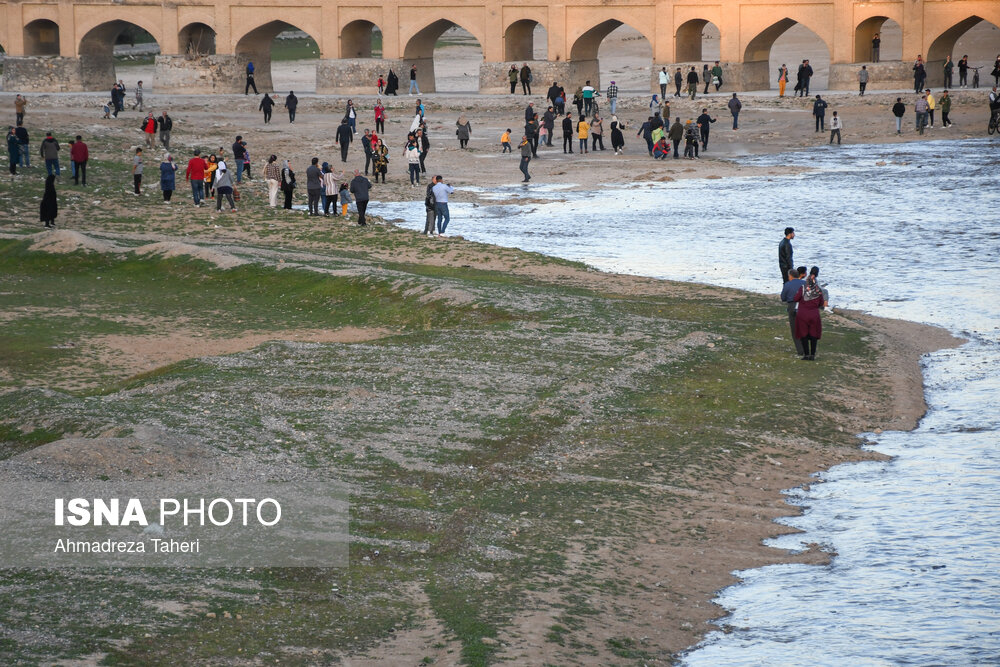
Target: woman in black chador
{"points": [[49, 208]]}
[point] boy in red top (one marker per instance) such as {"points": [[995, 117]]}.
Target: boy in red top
{"points": [[79, 155], [195, 173], [149, 127]]}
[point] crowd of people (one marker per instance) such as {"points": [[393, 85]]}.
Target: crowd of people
{"points": [[804, 297]]}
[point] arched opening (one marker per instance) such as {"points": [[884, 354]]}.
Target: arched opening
{"points": [[613, 51], [457, 71], [975, 37], [786, 42], [197, 39], [697, 40], [118, 50], [525, 40], [361, 39], [890, 40], [284, 57], [41, 38]]}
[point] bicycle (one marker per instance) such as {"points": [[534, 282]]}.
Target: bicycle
{"points": [[994, 121]]}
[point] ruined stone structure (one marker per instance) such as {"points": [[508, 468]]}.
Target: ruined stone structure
{"points": [[67, 45]]}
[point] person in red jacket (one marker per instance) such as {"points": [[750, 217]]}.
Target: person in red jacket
{"points": [[149, 128], [79, 154], [195, 173]]}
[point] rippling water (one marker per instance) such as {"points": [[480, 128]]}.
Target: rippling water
{"points": [[917, 577]]}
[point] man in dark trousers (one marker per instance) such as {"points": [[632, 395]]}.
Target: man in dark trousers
{"points": [[567, 127], [678, 82], [359, 188], [344, 137], [239, 154], [525, 147], [366, 143], [704, 122], [676, 133], [793, 283], [526, 79], [424, 144], [314, 185], [807, 72], [291, 103], [819, 110], [549, 123], [785, 263], [266, 105], [250, 81], [79, 154], [166, 125]]}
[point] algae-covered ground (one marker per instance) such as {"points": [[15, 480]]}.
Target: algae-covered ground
{"points": [[547, 465]]}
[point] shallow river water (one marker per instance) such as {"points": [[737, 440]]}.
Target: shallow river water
{"points": [[917, 577]]}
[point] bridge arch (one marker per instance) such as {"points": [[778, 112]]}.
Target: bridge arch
{"points": [[890, 49], [760, 56], [360, 39], [419, 51], [944, 44], [587, 44], [519, 41], [197, 39], [254, 45], [41, 38], [689, 41], [96, 51]]}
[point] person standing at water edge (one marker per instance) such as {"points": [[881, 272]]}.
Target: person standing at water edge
{"points": [[525, 147], [441, 192], [808, 325], [931, 105], [945, 103], [704, 123], [920, 108], [819, 111], [835, 127], [793, 283], [899, 110], [359, 188], [735, 106], [785, 262], [429, 208]]}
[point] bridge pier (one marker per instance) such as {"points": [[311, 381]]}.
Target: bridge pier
{"points": [[493, 76], [58, 73], [359, 76], [891, 75], [182, 74]]}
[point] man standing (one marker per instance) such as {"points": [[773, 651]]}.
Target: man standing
{"points": [[692, 81], [149, 129], [945, 103], [862, 80], [359, 188], [931, 105], [512, 79], [785, 262], [250, 82], [429, 202], [735, 106], [549, 123], [138, 97], [949, 67], [676, 133], [413, 82], [314, 185], [79, 154], [239, 154], [819, 111], [441, 192], [366, 144], [835, 127], [807, 73], [525, 79], [899, 110], [613, 97], [963, 71], [793, 283], [195, 173], [525, 147], [23, 140], [588, 98], [920, 108], [343, 138], [704, 122], [717, 76], [876, 44], [266, 104], [166, 125], [19, 103], [291, 103], [664, 80], [49, 150], [567, 128], [919, 75], [272, 175], [678, 82]]}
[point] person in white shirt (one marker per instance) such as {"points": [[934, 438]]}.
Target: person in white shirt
{"points": [[664, 80], [441, 192], [835, 127]]}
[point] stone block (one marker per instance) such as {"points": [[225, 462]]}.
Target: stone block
{"points": [[493, 76], [888, 75], [359, 76], [58, 74]]}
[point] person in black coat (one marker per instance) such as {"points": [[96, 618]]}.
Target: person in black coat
{"points": [[49, 208], [704, 123], [785, 261], [266, 105], [344, 137], [391, 83], [291, 103]]}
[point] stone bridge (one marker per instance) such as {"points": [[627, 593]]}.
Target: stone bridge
{"points": [[66, 45]]}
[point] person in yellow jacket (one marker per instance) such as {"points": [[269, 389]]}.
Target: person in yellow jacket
{"points": [[213, 164], [931, 104], [505, 141], [583, 133]]}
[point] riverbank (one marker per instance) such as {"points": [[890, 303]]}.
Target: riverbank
{"points": [[550, 463]]}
